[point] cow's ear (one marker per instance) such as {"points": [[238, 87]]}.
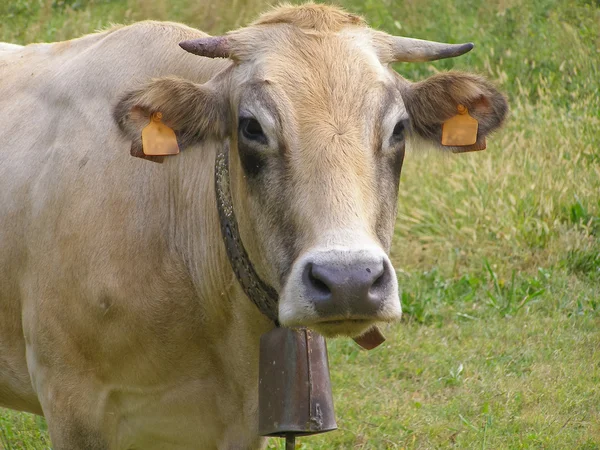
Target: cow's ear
{"points": [[193, 111], [433, 101]]}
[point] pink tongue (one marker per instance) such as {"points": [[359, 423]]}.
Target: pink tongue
{"points": [[371, 339]]}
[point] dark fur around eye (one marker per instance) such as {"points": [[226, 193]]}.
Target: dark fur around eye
{"points": [[253, 161]]}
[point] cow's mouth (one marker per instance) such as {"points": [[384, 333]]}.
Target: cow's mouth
{"points": [[343, 327], [344, 321]]}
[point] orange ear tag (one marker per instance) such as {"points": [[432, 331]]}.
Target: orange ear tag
{"points": [[460, 130], [158, 139]]}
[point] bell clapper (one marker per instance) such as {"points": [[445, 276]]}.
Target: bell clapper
{"points": [[290, 441]]}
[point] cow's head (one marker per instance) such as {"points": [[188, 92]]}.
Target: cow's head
{"points": [[318, 122]]}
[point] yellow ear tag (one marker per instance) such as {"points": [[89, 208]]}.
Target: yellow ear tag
{"points": [[460, 130], [158, 139]]}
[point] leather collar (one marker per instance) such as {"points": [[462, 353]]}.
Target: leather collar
{"points": [[260, 293]]}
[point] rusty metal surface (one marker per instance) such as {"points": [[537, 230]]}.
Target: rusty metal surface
{"points": [[294, 386]]}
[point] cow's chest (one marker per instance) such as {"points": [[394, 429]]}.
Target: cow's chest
{"points": [[145, 380], [194, 414]]}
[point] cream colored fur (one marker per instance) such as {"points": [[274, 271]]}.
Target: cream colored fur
{"points": [[119, 316], [8, 48]]}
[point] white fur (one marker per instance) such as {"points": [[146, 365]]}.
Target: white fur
{"points": [[9, 48]]}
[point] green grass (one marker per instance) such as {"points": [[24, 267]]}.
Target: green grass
{"points": [[498, 251]]}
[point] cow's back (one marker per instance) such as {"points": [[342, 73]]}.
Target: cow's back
{"points": [[68, 187]]}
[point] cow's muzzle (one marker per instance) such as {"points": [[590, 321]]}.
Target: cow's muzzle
{"points": [[340, 291]]}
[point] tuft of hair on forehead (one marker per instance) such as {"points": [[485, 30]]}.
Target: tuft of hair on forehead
{"points": [[311, 16]]}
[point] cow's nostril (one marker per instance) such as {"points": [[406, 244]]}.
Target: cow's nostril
{"points": [[318, 284], [318, 290], [380, 281]]}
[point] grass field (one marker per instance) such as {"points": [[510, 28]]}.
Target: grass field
{"points": [[498, 251]]}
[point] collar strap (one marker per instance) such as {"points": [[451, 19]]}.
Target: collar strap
{"points": [[260, 293]]}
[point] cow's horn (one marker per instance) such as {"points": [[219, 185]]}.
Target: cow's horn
{"points": [[211, 47], [416, 50]]}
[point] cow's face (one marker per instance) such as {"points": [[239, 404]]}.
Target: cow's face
{"points": [[318, 124], [320, 137]]}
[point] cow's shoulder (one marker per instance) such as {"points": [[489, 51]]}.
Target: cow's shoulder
{"points": [[107, 62], [151, 49], [153, 34]]}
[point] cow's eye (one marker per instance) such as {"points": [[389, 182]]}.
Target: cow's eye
{"points": [[398, 133], [252, 130]]}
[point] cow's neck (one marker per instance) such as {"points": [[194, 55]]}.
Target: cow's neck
{"points": [[196, 230]]}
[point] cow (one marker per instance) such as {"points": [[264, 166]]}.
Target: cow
{"points": [[121, 318]]}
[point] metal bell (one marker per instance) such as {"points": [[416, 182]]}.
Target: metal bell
{"points": [[294, 396]]}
